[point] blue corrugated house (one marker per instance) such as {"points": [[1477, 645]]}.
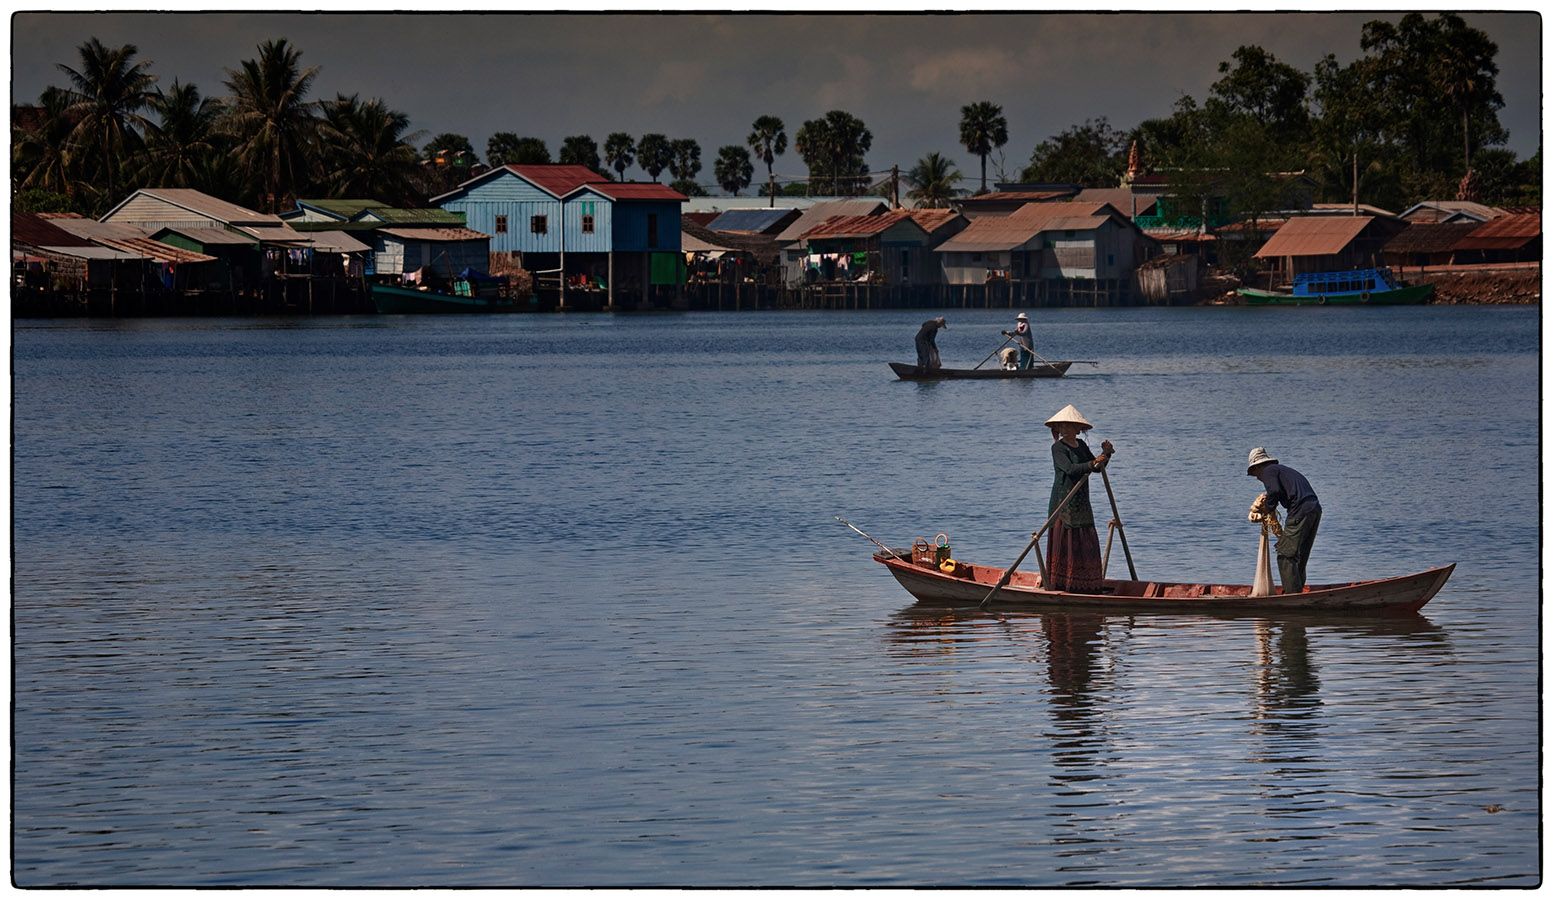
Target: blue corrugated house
{"points": [[596, 239]]}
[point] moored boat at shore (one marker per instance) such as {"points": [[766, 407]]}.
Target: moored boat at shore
{"points": [[971, 583], [908, 372], [1360, 287], [395, 299]]}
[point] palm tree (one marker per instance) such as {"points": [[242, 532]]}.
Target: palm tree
{"points": [[620, 152], [506, 148], [686, 161], [1466, 72], [580, 150], [734, 169], [180, 145], [43, 150], [769, 140], [933, 181], [272, 121], [109, 91], [982, 127], [653, 154], [367, 153]]}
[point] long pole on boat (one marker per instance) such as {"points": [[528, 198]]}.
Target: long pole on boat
{"points": [[1117, 518], [865, 534], [1034, 539], [992, 354]]}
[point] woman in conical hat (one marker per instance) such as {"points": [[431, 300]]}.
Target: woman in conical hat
{"points": [[1072, 546]]}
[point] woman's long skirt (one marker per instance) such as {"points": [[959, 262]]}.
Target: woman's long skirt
{"points": [[1073, 559]]}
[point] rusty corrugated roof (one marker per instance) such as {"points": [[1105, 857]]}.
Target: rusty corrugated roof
{"points": [[436, 234], [1429, 237], [843, 227], [994, 234], [634, 190], [30, 228], [1015, 196], [1314, 236], [556, 179], [1510, 232], [819, 212], [933, 219]]}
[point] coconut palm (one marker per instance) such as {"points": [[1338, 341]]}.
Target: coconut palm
{"points": [[181, 143], [366, 151], [619, 152], [933, 181], [733, 168], [834, 147], [768, 138], [274, 126], [982, 127], [42, 157], [108, 93]]}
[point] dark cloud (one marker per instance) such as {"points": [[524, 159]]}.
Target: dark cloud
{"points": [[709, 76]]}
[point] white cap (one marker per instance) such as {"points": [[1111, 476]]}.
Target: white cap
{"points": [[1022, 316], [1070, 413], [1258, 456]]}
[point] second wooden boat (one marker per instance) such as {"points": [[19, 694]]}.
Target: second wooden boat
{"points": [[971, 583], [908, 372], [393, 299]]}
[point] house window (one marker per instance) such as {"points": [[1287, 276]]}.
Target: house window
{"points": [[652, 229], [539, 225], [501, 224], [587, 224]]}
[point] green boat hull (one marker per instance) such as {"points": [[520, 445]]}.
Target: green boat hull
{"points": [[394, 300], [1402, 296]]}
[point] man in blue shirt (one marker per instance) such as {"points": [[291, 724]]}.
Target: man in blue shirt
{"points": [[1288, 487]]}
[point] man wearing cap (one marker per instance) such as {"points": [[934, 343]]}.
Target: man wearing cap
{"points": [[1288, 487], [1024, 340], [927, 345]]}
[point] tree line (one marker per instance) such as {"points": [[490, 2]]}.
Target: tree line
{"points": [[1413, 118]]}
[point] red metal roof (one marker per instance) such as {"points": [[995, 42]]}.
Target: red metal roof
{"points": [[1429, 237], [1016, 196], [436, 234], [994, 234], [859, 226], [1314, 236], [32, 229], [635, 190], [556, 179], [1510, 232], [933, 219]]}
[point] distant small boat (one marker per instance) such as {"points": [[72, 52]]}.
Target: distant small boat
{"points": [[396, 300], [1360, 287], [908, 372], [969, 587]]}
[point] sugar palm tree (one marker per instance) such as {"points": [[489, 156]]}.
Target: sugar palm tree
{"points": [[653, 154], [982, 128], [180, 144], [108, 92], [366, 150], [733, 168], [272, 122], [620, 152], [768, 138], [933, 181]]}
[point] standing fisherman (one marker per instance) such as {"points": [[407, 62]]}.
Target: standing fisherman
{"points": [[927, 346], [1288, 487], [1024, 339]]}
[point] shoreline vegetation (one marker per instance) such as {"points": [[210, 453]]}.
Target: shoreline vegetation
{"points": [[1413, 118]]}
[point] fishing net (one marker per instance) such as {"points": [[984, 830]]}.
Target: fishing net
{"points": [[1267, 516]]}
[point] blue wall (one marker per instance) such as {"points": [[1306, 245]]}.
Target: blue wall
{"points": [[617, 225]]}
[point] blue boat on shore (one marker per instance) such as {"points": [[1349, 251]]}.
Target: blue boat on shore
{"points": [[1359, 287]]}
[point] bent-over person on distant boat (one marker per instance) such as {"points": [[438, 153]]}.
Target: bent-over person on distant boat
{"points": [[1289, 488], [927, 345], [1072, 547]]}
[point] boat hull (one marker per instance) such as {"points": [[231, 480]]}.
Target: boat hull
{"points": [[395, 300], [908, 372], [1403, 296], [930, 586]]}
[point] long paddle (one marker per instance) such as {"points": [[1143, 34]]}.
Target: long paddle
{"points": [[870, 537], [992, 354], [1034, 539], [1117, 516]]}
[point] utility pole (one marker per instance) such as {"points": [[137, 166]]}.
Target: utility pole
{"points": [[1356, 180]]}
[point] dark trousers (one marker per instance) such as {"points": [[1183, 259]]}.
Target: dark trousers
{"points": [[1299, 535], [927, 355]]}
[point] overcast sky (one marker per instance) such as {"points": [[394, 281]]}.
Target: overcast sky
{"points": [[708, 76]]}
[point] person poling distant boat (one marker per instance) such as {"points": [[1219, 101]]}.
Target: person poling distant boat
{"points": [[1024, 344], [1288, 487], [930, 368], [927, 345]]}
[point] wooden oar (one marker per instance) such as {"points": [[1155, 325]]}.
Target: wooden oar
{"points": [[990, 355], [865, 534], [1117, 518], [1034, 539]]}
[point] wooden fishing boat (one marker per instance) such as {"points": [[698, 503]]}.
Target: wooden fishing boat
{"points": [[972, 583], [1361, 287], [393, 299], [908, 372]]}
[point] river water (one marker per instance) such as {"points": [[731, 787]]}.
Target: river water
{"points": [[560, 601]]}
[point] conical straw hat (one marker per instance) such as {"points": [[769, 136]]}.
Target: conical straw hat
{"points": [[1070, 413]]}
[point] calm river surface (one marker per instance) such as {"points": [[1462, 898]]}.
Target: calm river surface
{"points": [[559, 600]]}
